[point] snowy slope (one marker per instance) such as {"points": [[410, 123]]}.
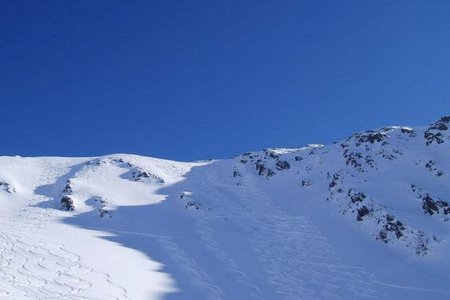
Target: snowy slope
{"points": [[364, 218]]}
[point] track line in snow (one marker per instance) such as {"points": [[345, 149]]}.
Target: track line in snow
{"points": [[296, 257], [199, 278], [35, 268], [412, 288], [230, 265]]}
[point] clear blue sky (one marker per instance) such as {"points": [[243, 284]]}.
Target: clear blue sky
{"points": [[194, 80]]}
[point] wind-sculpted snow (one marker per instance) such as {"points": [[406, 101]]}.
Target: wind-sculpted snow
{"points": [[364, 218]]}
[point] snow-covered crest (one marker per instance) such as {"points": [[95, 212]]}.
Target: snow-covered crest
{"points": [[367, 217]]}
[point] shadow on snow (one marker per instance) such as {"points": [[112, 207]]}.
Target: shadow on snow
{"points": [[156, 230]]}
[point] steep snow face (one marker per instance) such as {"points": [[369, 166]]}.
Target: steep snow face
{"points": [[392, 181], [365, 218]]}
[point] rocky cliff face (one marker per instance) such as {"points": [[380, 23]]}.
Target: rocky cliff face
{"points": [[411, 163]]}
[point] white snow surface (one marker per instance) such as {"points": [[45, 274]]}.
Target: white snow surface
{"points": [[365, 218]]}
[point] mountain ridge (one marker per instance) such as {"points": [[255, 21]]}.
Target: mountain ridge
{"points": [[363, 218]]}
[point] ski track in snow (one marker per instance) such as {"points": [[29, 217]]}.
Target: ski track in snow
{"points": [[199, 278], [188, 265], [230, 265], [34, 268], [288, 257], [294, 254], [39, 269], [42, 269]]}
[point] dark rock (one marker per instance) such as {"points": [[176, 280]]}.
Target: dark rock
{"points": [[67, 203], [441, 126], [352, 159], [104, 213], [430, 206], [407, 131], [362, 212], [433, 137], [260, 167], [431, 166], [306, 182], [270, 173], [356, 197], [271, 154], [283, 165], [383, 236], [435, 132], [370, 161], [445, 119], [388, 156], [193, 204], [444, 205], [370, 137], [422, 244], [6, 187], [263, 170], [332, 184], [142, 176], [68, 187], [393, 225]]}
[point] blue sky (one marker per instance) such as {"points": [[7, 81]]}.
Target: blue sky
{"points": [[194, 80]]}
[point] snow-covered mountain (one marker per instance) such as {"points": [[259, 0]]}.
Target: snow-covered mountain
{"points": [[364, 218]]}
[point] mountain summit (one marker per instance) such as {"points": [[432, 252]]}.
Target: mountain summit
{"points": [[363, 218]]}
